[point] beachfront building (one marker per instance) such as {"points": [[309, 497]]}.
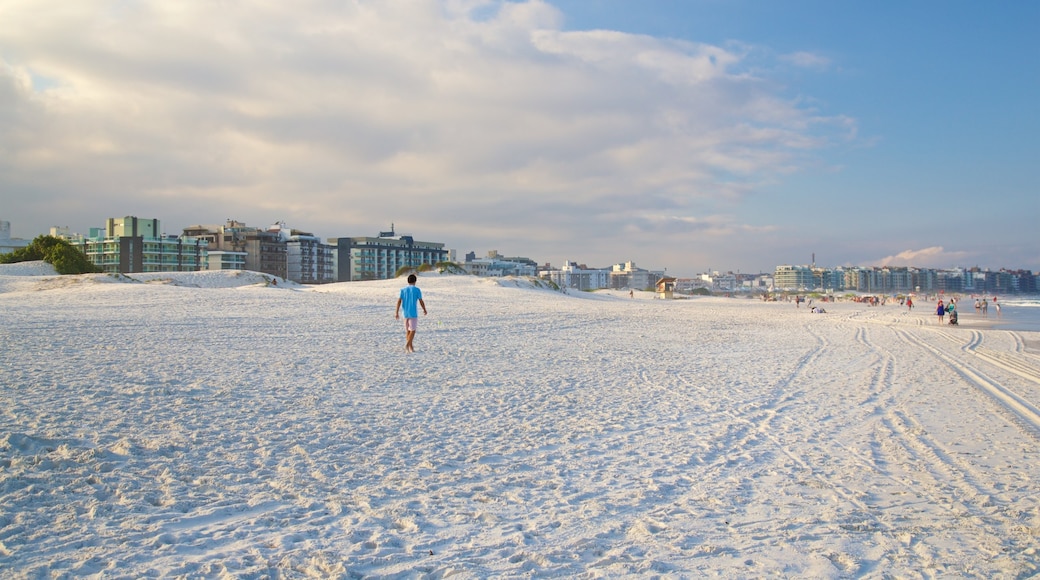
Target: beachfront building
{"points": [[829, 279], [491, 267], [495, 265], [277, 250], [224, 260], [131, 244], [924, 280], [689, 285], [1000, 282], [530, 264], [720, 282], [950, 281], [864, 280], [380, 257], [627, 275], [762, 282], [1003, 281], [7, 243], [789, 277], [308, 259], [264, 250], [1022, 281], [577, 276], [894, 280]]}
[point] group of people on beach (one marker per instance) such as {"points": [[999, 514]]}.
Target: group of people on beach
{"points": [[949, 308], [981, 307]]}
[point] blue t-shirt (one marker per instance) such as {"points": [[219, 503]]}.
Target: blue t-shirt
{"points": [[410, 297]]}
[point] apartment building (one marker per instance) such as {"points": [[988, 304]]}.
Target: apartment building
{"points": [[131, 244], [380, 257], [627, 275], [277, 250], [794, 278], [578, 277]]}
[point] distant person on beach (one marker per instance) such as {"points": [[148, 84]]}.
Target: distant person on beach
{"points": [[409, 298], [941, 311], [909, 304]]}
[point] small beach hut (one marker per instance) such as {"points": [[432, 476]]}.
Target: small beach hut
{"points": [[665, 288]]}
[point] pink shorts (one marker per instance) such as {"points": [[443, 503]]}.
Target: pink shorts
{"points": [[411, 324]]}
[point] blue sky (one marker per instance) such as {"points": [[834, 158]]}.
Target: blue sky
{"points": [[681, 134]]}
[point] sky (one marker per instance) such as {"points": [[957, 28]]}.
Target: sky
{"points": [[684, 135]]}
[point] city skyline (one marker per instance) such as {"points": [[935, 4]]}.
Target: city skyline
{"points": [[463, 256], [687, 135]]}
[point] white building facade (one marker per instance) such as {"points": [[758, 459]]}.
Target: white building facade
{"points": [[571, 275]]}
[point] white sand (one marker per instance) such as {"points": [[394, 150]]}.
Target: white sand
{"points": [[211, 425]]}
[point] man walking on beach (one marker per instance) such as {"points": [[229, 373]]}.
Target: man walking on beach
{"points": [[410, 296]]}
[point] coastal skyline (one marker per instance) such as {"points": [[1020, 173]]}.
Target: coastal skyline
{"points": [[687, 135]]}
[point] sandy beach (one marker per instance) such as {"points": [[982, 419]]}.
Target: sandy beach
{"points": [[214, 425]]}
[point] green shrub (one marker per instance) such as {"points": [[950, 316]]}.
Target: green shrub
{"points": [[66, 258], [449, 268]]}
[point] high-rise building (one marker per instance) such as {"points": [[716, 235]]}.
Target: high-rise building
{"points": [[789, 277]]}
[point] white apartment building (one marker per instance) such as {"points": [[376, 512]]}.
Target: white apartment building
{"points": [[494, 267], [571, 275], [627, 275]]}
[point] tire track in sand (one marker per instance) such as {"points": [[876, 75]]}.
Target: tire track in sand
{"points": [[1007, 398]]}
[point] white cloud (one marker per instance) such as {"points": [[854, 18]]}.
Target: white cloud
{"points": [[337, 116], [933, 257], [806, 60]]}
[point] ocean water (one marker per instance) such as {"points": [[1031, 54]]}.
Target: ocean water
{"points": [[1016, 313]]}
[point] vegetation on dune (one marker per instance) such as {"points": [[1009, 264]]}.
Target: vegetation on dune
{"points": [[65, 257], [449, 268], [404, 270], [542, 283], [440, 267]]}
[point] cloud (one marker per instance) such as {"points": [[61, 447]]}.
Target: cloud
{"points": [[806, 60], [483, 116], [933, 257]]}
